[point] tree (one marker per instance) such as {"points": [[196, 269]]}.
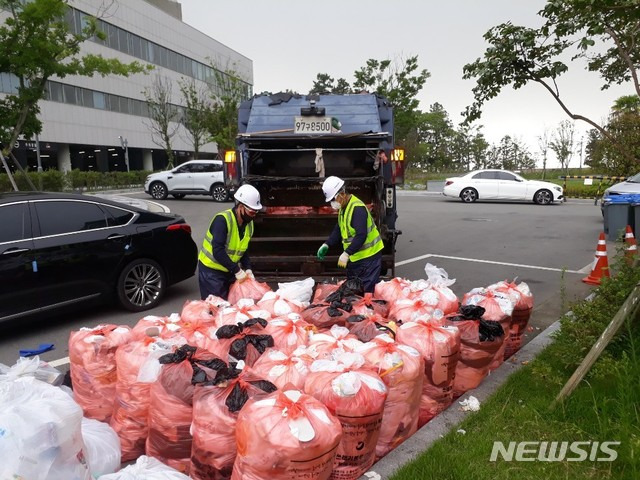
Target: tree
{"points": [[324, 83], [36, 43], [624, 126], [400, 81], [197, 111], [229, 91], [544, 143], [163, 115], [604, 33], [562, 143], [510, 154], [434, 131]]}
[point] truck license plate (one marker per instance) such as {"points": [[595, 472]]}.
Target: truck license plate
{"points": [[312, 125]]}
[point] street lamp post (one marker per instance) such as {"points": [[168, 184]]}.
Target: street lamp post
{"points": [[125, 145]]}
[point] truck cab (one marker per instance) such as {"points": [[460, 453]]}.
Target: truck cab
{"points": [[287, 145]]}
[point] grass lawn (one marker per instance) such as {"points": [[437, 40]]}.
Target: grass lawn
{"points": [[605, 407]]}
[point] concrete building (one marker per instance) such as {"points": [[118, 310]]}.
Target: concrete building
{"points": [[86, 121]]}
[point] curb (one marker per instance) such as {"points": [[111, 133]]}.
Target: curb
{"points": [[443, 423]]}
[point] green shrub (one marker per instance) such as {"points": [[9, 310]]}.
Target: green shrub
{"points": [[56, 181]]}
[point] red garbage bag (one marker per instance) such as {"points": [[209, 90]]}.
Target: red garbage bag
{"points": [[198, 331], [138, 367], [289, 332], [244, 310], [410, 310], [479, 342], [152, 325], [498, 308], [198, 311], [249, 288], [323, 343], [435, 290], [367, 327], [323, 290], [439, 346], [287, 435], [216, 405], [278, 305], [368, 305], [92, 358], [523, 298], [171, 406], [395, 289], [401, 368], [244, 341], [356, 395], [325, 315], [284, 369]]}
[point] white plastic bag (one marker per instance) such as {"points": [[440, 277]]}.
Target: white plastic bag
{"points": [[41, 434], [299, 291], [102, 447], [32, 367], [146, 468]]}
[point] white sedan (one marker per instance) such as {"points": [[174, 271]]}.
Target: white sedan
{"points": [[501, 185]]}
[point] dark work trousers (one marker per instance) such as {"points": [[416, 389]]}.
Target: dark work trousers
{"points": [[367, 270], [214, 282]]}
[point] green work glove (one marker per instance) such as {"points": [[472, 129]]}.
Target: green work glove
{"points": [[322, 251]]}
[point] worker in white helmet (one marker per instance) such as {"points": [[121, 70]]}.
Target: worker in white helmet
{"points": [[223, 257], [361, 241]]}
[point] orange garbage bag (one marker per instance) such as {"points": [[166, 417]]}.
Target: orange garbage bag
{"points": [[411, 309], [137, 367], [325, 315], [216, 405], [401, 368], [244, 341], [356, 395], [523, 298], [196, 311], [287, 435], [289, 332], [439, 346], [171, 406], [393, 290], [244, 310], [369, 305], [498, 307], [323, 290], [367, 327], [284, 369], [247, 289], [152, 325], [92, 358], [479, 342], [278, 305], [435, 290]]}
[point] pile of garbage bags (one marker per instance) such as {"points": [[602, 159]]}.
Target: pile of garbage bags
{"points": [[307, 381]]}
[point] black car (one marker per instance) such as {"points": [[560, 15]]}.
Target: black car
{"points": [[57, 250]]}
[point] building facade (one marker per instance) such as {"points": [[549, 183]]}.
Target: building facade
{"points": [[87, 122]]}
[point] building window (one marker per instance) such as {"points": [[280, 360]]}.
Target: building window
{"points": [[99, 100]]}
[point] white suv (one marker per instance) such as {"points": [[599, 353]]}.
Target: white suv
{"points": [[197, 177]]}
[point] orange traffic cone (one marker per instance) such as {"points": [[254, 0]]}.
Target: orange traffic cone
{"points": [[630, 245], [600, 266]]}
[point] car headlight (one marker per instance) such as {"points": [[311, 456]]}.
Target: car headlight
{"points": [[558, 188]]}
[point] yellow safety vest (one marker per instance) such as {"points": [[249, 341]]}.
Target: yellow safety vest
{"points": [[234, 246], [372, 244]]}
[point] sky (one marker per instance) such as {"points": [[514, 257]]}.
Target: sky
{"points": [[291, 41]]}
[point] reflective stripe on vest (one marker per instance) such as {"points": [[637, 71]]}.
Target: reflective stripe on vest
{"points": [[234, 246], [372, 244]]}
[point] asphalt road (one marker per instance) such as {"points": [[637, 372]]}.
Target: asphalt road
{"points": [[477, 244]]}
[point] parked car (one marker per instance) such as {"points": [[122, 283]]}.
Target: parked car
{"points": [[59, 250], [630, 185], [501, 185], [196, 177]]}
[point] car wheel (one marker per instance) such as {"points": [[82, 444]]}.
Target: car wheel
{"points": [[158, 190], [219, 193], [141, 285], [543, 197], [178, 196], [469, 195]]}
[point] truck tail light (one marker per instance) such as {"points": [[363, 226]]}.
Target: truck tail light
{"points": [[397, 166], [230, 168]]}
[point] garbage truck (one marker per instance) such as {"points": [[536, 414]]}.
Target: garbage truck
{"points": [[287, 144]]}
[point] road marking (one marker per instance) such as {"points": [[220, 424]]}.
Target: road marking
{"points": [[59, 362], [476, 260]]}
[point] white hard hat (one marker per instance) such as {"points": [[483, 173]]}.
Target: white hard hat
{"points": [[331, 186], [248, 195]]}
